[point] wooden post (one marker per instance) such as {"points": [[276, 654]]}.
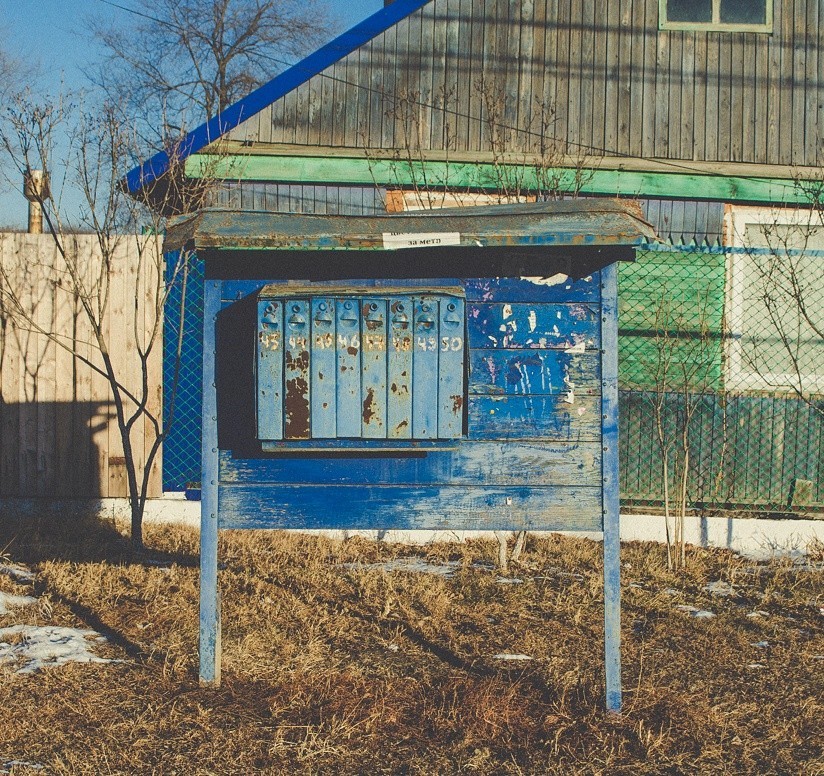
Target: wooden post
{"points": [[210, 648], [612, 538]]}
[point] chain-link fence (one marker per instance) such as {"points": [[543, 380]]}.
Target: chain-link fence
{"points": [[181, 449], [721, 373], [721, 369]]}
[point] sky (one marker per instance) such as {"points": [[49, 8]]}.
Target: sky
{"points": [[53, 35]]}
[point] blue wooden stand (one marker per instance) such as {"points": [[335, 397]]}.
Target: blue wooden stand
{"points": [[537, 446]]}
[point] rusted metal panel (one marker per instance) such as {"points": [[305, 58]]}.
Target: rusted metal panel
{"points": [[324, 405], [270, 369], [399, 374], [367, 363], [373, 368], [296, 403], [348, 373], [425, 369], [451, 348]]}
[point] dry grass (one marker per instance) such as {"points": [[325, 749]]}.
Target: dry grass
{"points": [[358, 671]]}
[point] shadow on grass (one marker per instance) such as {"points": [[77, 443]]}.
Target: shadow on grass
{"points": [[77, 537]]}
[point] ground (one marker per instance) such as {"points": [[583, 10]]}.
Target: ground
{"points": [[335, 663]]}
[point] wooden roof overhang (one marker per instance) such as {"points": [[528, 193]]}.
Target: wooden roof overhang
{"points": [[583, 235]]}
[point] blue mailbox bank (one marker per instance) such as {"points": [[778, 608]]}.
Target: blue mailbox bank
{"points": [[451, 369]]}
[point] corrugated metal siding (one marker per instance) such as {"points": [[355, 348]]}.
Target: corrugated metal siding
{"points": [[617, 85], [297, 198], [747, 450]]}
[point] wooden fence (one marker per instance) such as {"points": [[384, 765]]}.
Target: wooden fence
{"points": [[58, 433]]}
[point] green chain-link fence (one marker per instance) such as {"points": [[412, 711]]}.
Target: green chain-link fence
{"points": [[721, 373]]}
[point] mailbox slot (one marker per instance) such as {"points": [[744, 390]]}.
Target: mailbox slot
{"points": [[385, 366]]}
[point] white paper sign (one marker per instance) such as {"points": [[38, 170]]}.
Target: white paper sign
{"points": [[394, 240]]}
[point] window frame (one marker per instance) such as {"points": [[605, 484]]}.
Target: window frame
{"points": [[715, 25], [738, 375]]}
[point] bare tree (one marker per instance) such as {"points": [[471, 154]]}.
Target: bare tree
{"points": [[193, 58], [685, 356], [87, 153]]}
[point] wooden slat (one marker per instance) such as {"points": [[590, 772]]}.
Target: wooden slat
{"points": [[456, 508], [532, 326], [500, 464], [534, 417], [534, 372]]}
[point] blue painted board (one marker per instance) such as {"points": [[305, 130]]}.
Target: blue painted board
{"points": [[534, 372], [425, 369], [348, 382], [269, 369], [534, 417], [478, 463], [557, 288], [417, 507], [533, 325], [323, 389], [399, 374], [373, 367], [451, 350]]}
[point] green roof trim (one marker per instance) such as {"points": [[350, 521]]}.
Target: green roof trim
{"points": [[468, 175]]}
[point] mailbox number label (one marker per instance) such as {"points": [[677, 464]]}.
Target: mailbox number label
{"points": [[453, 344]]}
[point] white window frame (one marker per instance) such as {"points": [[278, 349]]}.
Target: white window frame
{"points": [[738, 373], [715, 25]]}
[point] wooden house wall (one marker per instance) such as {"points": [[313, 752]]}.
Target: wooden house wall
{"points": [[616, 85], [532, 453], [58, 435]]}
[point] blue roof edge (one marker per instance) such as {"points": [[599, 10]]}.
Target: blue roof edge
{"points": [[152, 169]]}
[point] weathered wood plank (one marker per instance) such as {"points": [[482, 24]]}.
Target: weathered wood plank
{"points": [[456, 508], [534, 372], [556, 288], [532, 326], [534, 417], [494, 463]]}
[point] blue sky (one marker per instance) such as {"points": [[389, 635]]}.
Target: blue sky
{"points": [[52, 34]]}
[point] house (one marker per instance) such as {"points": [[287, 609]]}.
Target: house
{"points": [[710, 114]]}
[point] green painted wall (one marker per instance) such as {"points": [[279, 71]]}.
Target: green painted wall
{"points": [[671, 309]]}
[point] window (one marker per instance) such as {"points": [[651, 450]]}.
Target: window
{"points": [[720, 15], [776, 300]]}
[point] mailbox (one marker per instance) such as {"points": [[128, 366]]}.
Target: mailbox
{"points": [[359, 364]]}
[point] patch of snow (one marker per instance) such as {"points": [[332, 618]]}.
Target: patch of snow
{"points": [[758, 613], [409, 565], [392, 647], [38, 647], [511, 656], [671, 591], [9, 602], [8, 765], [720, 588], [18, 573], [509, 581], [694, 611], [755, 666], [760, 644]]}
